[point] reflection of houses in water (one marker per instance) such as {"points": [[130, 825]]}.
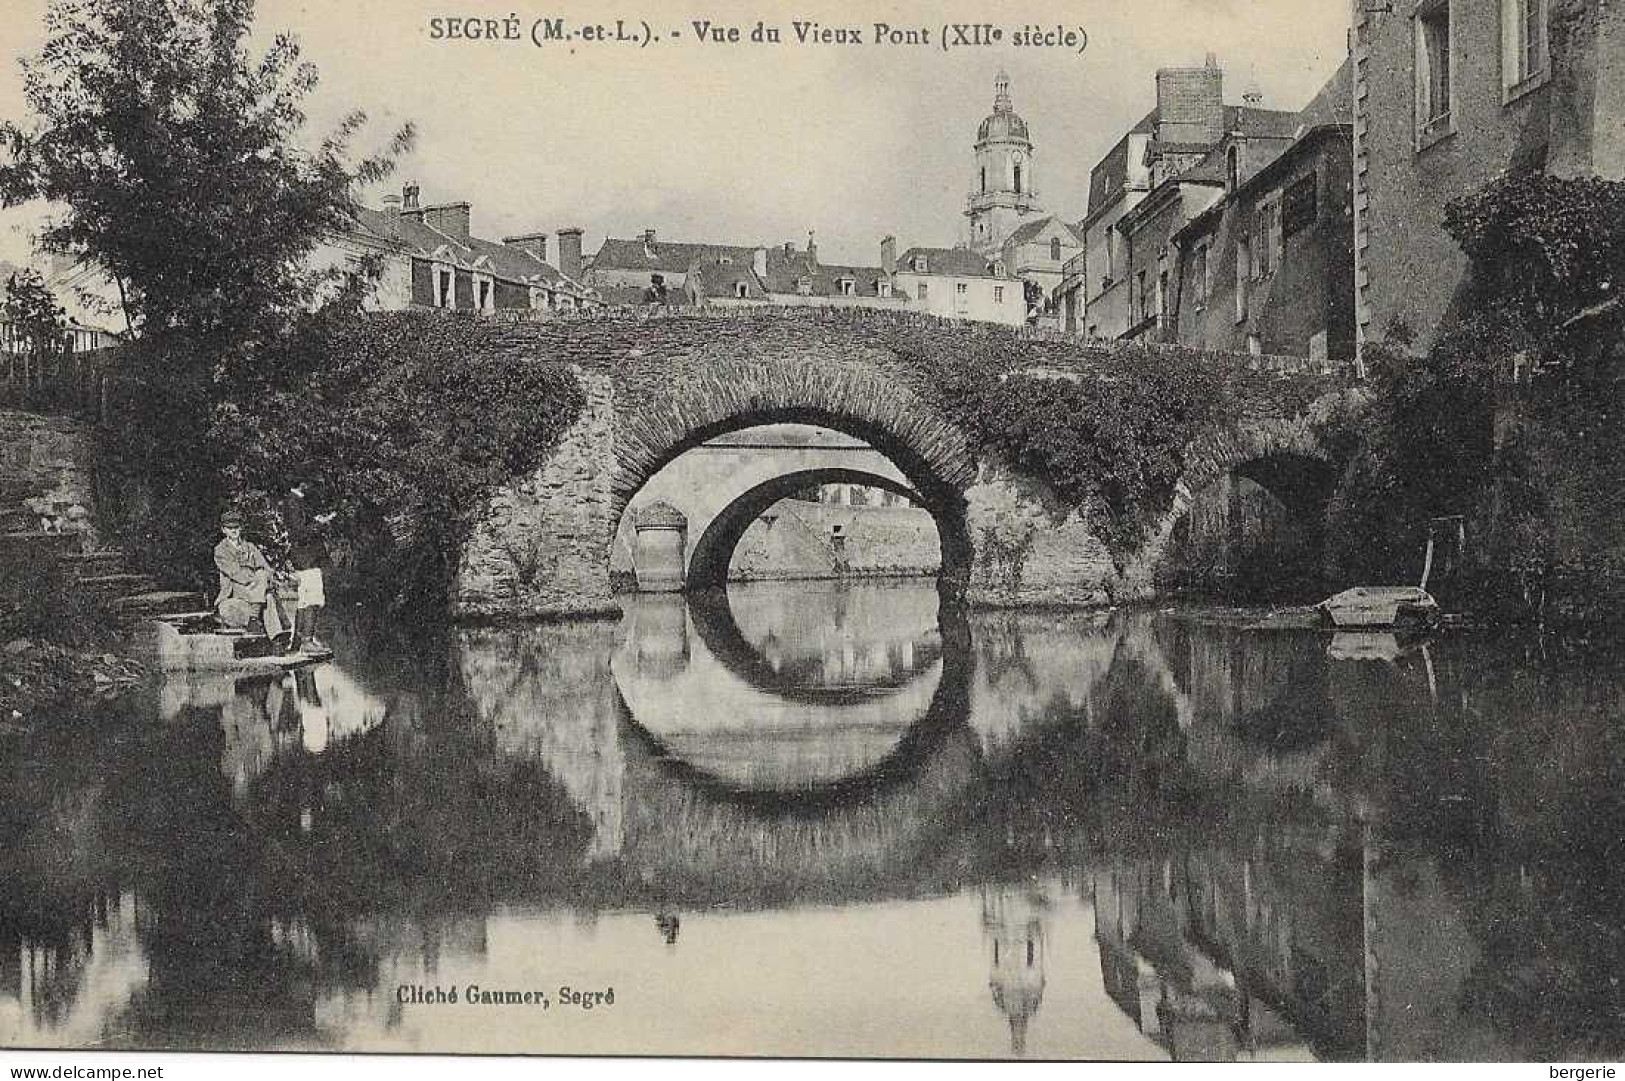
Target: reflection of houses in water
{"points": [[548, 697], [1013, 919], [63, 978], [1223, 957]]}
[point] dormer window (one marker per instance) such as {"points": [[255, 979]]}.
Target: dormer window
{"points": [[920, 264], [804, 286], [848, 287], [485, 293], [885, 288], [998, 268], [741, 290], [445, 281]]}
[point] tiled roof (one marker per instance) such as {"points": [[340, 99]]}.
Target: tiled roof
{"points": [[1032, 230], [957, 262], [718, 279], [1335, 102], [664, 255], [786, 269], [1261, 123], [1110, 174], [502, 260]]}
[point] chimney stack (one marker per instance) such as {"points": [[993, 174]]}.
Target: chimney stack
{"points": [[649, 243], [812, 249], [392, 216], [1190, 105], [570, 252], [453, 219], [758, 263], [888, 255], [534, 243], [410, 191]]}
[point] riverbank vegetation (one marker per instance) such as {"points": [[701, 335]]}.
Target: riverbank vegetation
{"points": [[1510, 420], [246, 365]]}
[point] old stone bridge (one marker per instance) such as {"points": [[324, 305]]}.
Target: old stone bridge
{"points": [[659, 385]]}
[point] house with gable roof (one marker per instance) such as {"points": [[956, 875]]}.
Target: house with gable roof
{"points": [[430, 258], [784, 275], [1102, 291]]}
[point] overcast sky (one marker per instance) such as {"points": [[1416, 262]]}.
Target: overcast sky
{"points": [[754, 144]]}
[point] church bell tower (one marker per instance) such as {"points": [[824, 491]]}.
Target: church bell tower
{"points": [[1003, 193]]}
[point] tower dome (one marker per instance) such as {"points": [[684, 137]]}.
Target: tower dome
{"points": [[1004, 123]]}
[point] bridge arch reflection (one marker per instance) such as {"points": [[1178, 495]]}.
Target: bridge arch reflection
{"points": [[837, 690]]}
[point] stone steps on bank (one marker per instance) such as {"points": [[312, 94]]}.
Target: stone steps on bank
{"points": [[104, 589], [78, 566], [180, 606]]}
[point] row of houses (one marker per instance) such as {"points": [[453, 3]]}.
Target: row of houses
{"points": [[1310, 233], [1219, 225], [951, 282]]}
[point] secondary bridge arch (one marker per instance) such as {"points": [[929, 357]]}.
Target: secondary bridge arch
{"points": [[714, 543]]}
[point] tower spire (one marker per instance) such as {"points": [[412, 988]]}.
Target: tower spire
{"points": [[1001, 92]]}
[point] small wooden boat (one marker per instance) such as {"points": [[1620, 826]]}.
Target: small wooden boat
{"points": [[194, 640], [1380, 608]]}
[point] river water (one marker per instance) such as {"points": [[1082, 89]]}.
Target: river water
{"points": [[821, 820]]}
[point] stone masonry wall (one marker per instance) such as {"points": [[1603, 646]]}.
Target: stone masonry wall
{"points": [[45, 456], [541, 547]]}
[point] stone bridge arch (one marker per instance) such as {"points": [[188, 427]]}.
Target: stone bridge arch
{"points": [[1283, 456], [933, 457], [661, 383]]}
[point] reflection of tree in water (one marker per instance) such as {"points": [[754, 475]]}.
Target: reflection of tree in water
{"points": [[1001, 651], [249, 908]]}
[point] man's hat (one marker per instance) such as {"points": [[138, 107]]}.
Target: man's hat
{"points": [[231, 519]]}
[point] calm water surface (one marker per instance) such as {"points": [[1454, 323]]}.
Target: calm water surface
{"points": [[815, 820]]}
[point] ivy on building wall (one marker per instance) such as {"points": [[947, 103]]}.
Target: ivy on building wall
{"points": [[1511, 419]]}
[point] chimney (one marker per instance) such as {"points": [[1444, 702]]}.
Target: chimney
{"points": [[534, 243], [453, 219], [758, 263], [1190, 105], [812, 249], [649, 243], [570, 252], [888, 255], [392, 216], [410, 192]]}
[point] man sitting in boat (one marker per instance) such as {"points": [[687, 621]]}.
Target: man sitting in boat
{"points": [[247, 588]]}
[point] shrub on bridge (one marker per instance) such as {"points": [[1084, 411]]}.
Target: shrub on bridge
{"points": [[404, 424], [1114, 442]]}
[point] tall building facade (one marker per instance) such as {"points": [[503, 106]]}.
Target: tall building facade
{"points": [[1447, 95]]}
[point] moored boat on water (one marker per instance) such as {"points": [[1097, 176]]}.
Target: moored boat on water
{"points": [[1380, 608]]}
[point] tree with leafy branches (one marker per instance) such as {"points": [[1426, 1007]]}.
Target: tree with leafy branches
{"points": [[176, 161], [38, 324], [175, 158]]}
